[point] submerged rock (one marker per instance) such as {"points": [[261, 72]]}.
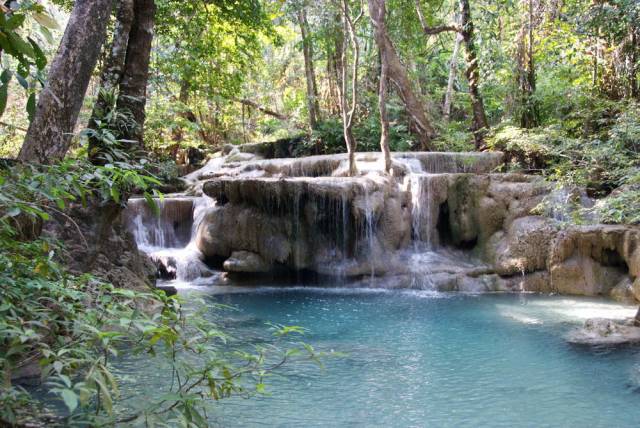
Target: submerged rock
{"points": [[599, 331]]}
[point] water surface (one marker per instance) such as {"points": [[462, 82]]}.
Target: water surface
{"points": [[426, 359]]}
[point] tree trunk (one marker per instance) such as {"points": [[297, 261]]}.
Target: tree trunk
{"points": [[50, 132], [334, 67], [480, 124], [453, 68], [527, 73], [133, 88], [633, 62], [420, 124], [112, 71], [384, 118], [312, 88], [347, 108]]}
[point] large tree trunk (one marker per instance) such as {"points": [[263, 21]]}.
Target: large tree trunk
{"points": [[112, 71], [133, 87], [313, 105], [480, 124], [527, 72], [453, 69], [384, 117], [50, 132], [420, 124]]}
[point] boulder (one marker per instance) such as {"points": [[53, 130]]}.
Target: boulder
{"points": [[635, 288], [599, 332], [523, 248], [97, 241], [592, 260], [246, 262], [582, 275], [623, 292]]}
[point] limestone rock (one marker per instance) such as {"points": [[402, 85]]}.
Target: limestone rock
{"points": [[524, 248], [598, 331], [623, 292], [635, 288], [247, 262], [581, 275], [536, 282], [592, 260]]}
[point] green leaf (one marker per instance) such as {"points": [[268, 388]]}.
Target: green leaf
{"points": [[23, 82], [5, 77], [152, 204], [46, 34], [40, 57], [4, 93], [6, 44], [14, 22], [20, 45], [31, 107], [46, 20], [115, 194], [70, 399]]}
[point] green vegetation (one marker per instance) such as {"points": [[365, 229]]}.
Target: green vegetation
{"points": [[554, 85], [68, 329]]}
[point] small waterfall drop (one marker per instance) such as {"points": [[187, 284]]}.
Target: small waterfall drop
{"points": [[169, 238], [418, 182]]}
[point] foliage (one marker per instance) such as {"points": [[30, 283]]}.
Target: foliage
{"points": [[24, 28], [71, 328], [598, 150]]}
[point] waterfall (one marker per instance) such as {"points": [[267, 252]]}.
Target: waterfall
{"points": [[418, 183], [169, 238], [369, 232]]}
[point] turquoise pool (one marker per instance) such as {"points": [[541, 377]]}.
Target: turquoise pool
{"points": [[419, 359]]}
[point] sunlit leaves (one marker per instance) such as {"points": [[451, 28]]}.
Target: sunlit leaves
{"points": [[18, 27]]}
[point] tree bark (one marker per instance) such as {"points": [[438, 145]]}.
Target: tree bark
{"points": [[133, 87], [633, 62], [453, 68], [334, 65], [347, 108], [480, 124], [49, 135], [527, 72], [420, 124], [313, 105], [263, 109], [112, 71], [384, 117]]}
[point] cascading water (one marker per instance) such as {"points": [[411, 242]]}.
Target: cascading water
{"points": [[169, 238], [349, 213], [418, 183]]}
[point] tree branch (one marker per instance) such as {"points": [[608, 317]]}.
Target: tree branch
{"points": [[262, 109], [431, 31]]}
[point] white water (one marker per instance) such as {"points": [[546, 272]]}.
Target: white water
{"points": [[156, 237]]}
